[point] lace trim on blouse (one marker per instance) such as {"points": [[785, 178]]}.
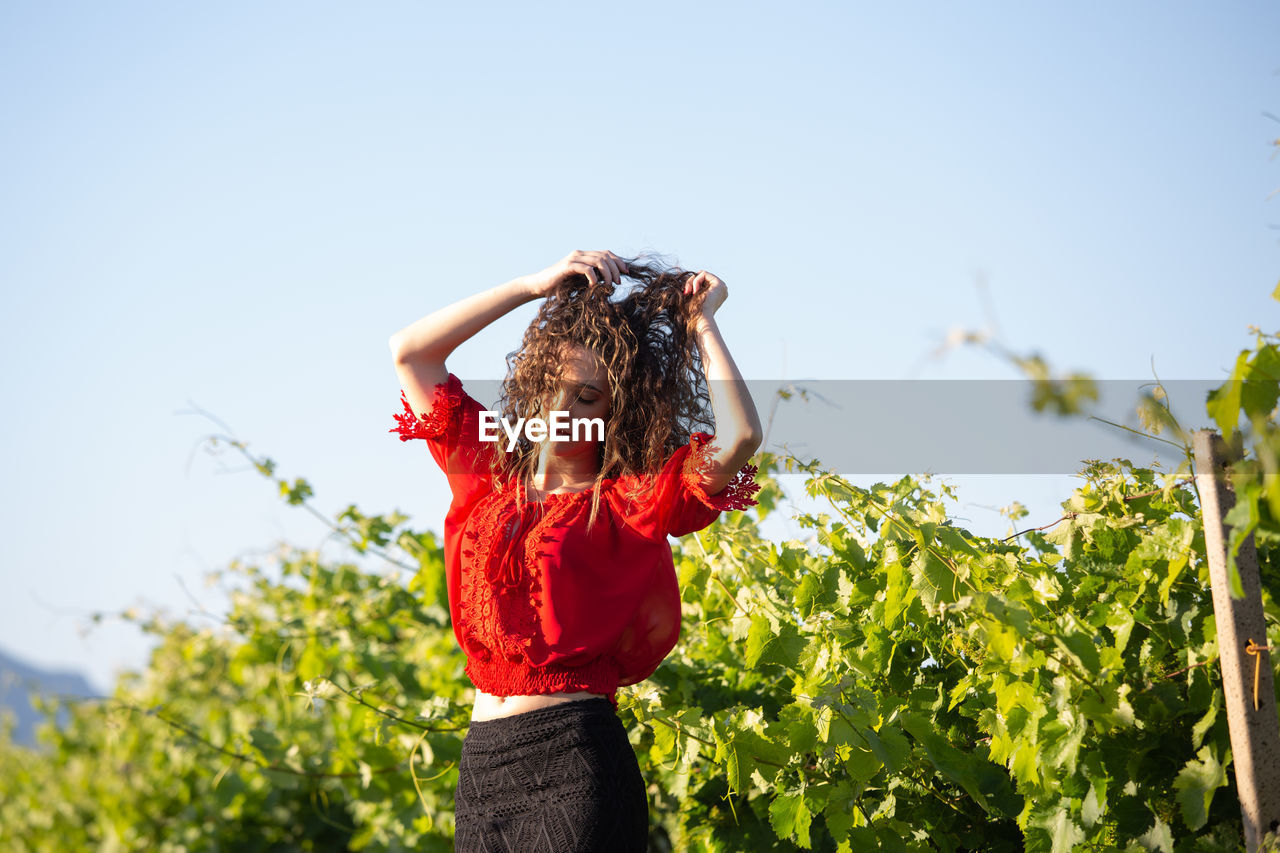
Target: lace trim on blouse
{"points": [[439, 421], [737, 494]]}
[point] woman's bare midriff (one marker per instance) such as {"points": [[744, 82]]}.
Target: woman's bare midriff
{"points": [[490, 707]]}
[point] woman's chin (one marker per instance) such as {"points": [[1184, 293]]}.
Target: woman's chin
{"points": [[573, 449]]}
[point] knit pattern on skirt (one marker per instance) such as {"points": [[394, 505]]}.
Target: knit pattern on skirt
{"points": [[560, 779]]}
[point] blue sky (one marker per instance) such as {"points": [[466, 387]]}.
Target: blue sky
{"points": [[237, 204]]}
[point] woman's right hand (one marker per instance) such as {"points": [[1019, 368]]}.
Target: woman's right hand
{"points": [[598, 267]]}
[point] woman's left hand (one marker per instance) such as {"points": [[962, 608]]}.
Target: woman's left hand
{"points": [[708, 292]]}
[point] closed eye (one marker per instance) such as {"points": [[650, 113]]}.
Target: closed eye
{"points": [[586, 394]]}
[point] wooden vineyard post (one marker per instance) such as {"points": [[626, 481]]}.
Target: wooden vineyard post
{"points": [[1255, 732]]}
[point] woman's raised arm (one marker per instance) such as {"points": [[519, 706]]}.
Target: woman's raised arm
{"points": [[738, 432], [420, 350]]}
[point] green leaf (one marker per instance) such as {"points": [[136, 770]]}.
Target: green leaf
{"points": [[889, 746], [1201, 728], [312, 663], [897, 592], [782, 647], [1224, 401], [1095, 802], [742, 748], [1175, 571], [1061, 738], [808, 592], [1196, 784], [838, 813], [786, 647], [759, 637], [1025, 763], [1114, 713], [1064, 834], [1261, 389], [265, 742], [664, 743], [862, 763], [954, 765], [935, 580], [1079, 646], [1007, 611], [1001, 642], [790, 817], [802, 734], [1158, 837], [954, 538], [1018, 694], [1120, 620], [296, 494], [1241, 520]]}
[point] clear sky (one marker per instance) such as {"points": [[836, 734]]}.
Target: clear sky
{"points": [[236, 204]]}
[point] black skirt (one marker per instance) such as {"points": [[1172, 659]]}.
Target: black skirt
{"points": [[560, 779]]}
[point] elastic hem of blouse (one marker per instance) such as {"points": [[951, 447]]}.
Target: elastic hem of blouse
{"points": [[737, 493], [506, 679]]}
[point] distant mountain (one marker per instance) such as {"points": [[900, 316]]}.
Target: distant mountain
{"points": [[19, 680]]}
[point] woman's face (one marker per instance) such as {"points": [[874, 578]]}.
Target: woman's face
{"points": [[584, 394]]}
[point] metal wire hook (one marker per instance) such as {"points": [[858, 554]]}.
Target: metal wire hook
{"points": [[1253, 649]]}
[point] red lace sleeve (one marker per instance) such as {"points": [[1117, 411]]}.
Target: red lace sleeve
{"points": [[737, 494], [674, 501], [437, 423], [452, 432]]}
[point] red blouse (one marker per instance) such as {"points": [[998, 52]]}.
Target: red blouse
{"points": [[539, 602]]}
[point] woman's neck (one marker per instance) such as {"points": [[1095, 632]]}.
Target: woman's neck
{"points": [[568, 473]]}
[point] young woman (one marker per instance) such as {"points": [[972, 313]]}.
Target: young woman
{"points": [[561, 582]]}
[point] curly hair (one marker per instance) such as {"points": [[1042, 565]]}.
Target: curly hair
{"points": [[643, 333]]}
